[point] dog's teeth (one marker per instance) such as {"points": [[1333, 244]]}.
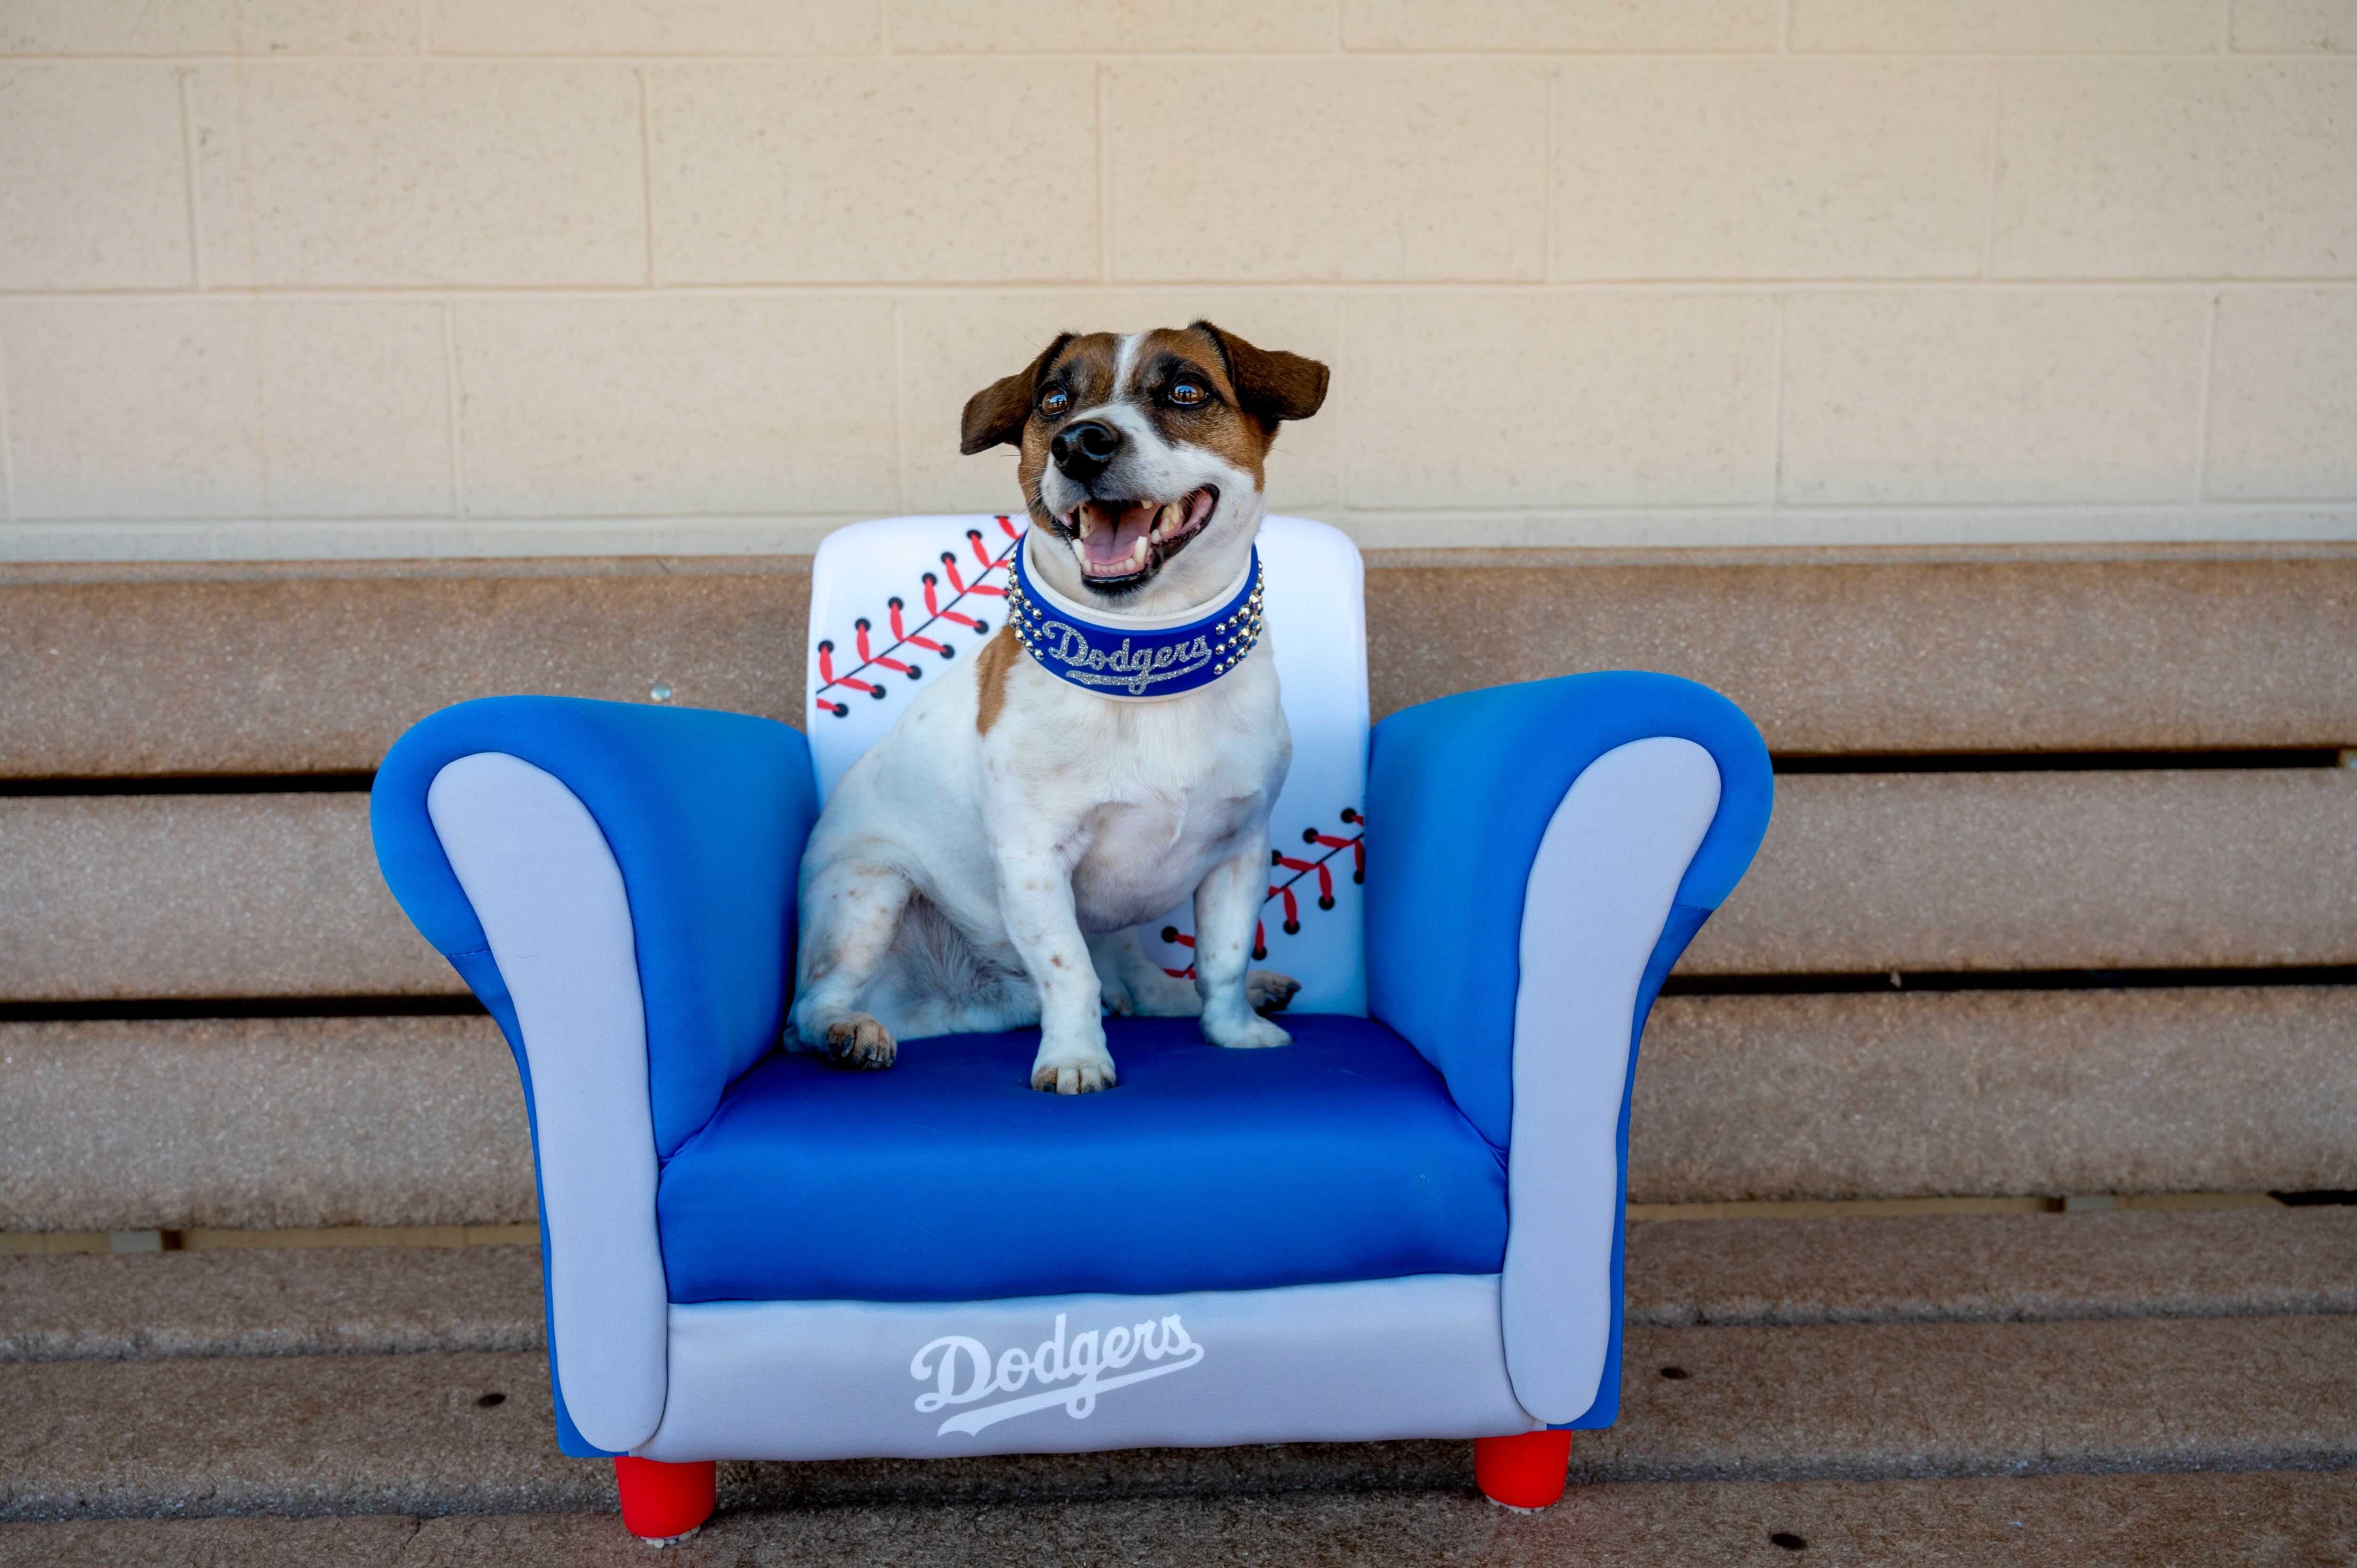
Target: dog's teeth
{"points": [[1168, 522], [1084, 519], [1137, 554]]}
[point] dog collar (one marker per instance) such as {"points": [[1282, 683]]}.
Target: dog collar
{"points": [[1131, 658]]}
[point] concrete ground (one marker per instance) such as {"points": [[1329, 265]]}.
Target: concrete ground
{"points": [[2123, 1388], [2275, 1519]]}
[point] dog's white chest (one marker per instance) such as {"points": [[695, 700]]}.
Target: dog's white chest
{"points": [[1149, 796], [1146, 857]]}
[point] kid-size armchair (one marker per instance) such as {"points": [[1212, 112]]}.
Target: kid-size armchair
{"points": [[1407, 1224]]}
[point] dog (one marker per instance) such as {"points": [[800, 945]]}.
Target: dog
{"points": [[982, 867]]}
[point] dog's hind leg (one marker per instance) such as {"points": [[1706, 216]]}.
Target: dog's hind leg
{"points": [[936, 982], [850, 913], [1227, 907], [1135, 985], [998, 1003]]}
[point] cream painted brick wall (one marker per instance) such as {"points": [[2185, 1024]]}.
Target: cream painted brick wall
{"points": [[2019, 395], [93, 184], [716, 405], [386, 173], [1773, 168], [2292, 26], [133, 409], [259, 28], [1282, 170], [289, 277], [165, 409], [1409, 25], [2225, 168], [783, 172], [2283, 426], [2008, 26], [652, 28], [1123, 27], [1516, 399], [355, 407]]}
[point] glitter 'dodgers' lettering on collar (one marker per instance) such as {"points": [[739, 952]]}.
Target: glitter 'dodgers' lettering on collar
{"points": [[1128, 663]]}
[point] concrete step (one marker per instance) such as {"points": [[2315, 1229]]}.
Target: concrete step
{"points": [[2098, 1521], [448, 1432], [1680, 1274], [1970, 1268], [247, 1123], [278, 895], [1937, 1094], [1932, 1400], [294, 667], [294, 1300]]}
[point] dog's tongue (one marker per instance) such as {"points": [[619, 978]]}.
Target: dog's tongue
{"points": [[1112, 542]]}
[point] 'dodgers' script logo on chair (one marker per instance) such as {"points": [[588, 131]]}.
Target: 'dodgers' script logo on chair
{"points": [[1085, 1362]]}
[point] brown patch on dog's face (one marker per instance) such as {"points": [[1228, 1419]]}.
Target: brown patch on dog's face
{"points": [[1106, 426], [997, 655], [996, 413], [1080, 377], [1180, 379]]}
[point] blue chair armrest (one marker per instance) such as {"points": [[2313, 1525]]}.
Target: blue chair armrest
{"points": [[1459, 792], [634, 869], [1538, 857], [707, 814]]}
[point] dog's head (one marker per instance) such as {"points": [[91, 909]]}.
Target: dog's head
{"points": [[1143, 454]]}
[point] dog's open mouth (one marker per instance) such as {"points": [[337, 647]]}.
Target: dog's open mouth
{"points": [[1121, 544]]}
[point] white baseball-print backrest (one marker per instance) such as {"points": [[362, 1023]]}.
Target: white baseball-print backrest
{"points": [[894, 600]]}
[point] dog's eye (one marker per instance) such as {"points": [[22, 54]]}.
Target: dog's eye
{"points": [[1054, 405], [1186, 394]]}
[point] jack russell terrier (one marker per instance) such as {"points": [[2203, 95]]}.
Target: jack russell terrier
{"points": [[1114, 749]]}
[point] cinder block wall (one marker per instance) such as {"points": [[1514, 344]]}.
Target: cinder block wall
{"points": [[395, 277]]}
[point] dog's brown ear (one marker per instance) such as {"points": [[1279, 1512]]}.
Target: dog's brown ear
{"points": [[995, 415], [1270, 384]]}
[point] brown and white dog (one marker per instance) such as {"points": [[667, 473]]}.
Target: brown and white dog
{"points": [[983, 866]]}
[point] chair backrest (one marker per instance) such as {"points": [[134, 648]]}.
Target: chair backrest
{"points": [[892, 600]]}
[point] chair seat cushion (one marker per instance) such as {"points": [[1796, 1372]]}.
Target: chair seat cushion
{"points": [[948, 1178]]}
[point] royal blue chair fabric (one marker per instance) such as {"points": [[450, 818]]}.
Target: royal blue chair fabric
{"points": [[949, 1178], [1459, 791], [707, 813]]}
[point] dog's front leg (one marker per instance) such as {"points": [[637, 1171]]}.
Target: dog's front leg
{"points": [[1035, 898], [850, 911], [1227, 907]]}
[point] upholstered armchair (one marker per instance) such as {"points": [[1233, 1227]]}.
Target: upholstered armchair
{"points": [[1407, 1224]]}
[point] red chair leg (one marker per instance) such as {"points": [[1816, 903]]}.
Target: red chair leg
{"points": [[1525, 1471], [663, 1502]]}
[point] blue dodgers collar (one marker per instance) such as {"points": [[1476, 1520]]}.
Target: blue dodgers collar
{"points": [[1140, 661]]}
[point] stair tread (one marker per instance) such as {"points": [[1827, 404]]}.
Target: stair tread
{"points": [[2093, 1521], [270, 1302], [405, 1433], [1930, 1268], [1965, 1268]]}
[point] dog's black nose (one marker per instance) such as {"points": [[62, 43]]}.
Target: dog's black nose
{"points": [[1082, 450]]}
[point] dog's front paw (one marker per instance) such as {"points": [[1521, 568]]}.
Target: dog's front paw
{"points": [[1073, 1072], [1267, 991], [1252, 1034], [860, 1043]]}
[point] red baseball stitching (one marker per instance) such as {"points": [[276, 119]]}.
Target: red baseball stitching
{"points": [[1283, 891], [934, 611]]}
